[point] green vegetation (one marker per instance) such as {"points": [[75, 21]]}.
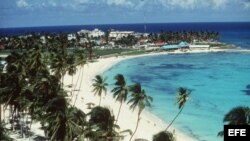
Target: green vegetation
{"points": [[164, 136], [103, 52], [183, 95], [33, 88], [140, 100], [100, 86], [237, 116], [4, 133], [120, 91]]}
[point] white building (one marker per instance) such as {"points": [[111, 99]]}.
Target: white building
{"points": [[71, 36], [43, 39], [120, 34], [83, 31], [83, 40], [96, 33]]}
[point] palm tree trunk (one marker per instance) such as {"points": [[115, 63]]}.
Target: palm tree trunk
{"points": [[0, 112], [76, 83], [79, 88], [62, 80], [72, 81], [138, 120], [174, 118], [100, 100], [118, 112]]}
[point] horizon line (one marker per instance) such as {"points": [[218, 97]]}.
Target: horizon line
{"points": [[123, 24]]}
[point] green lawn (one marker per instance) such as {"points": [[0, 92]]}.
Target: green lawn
{"points": [[102, 52]]}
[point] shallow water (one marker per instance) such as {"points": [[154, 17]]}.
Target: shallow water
{"points": [[219, 82]]}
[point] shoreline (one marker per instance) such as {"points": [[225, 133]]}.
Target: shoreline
{"points": [[149, 124]]}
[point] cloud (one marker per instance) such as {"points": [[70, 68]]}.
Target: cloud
{"points": [[82, 1], [185, 4], [219, 3], [22, 3], [120, 3], [52, 3], [246, 5], [192, 4]]}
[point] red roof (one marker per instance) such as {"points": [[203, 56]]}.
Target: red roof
{"points": [[159, 43], [1, 46]]}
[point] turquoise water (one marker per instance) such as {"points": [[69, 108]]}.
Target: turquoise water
{"points": [[219, 82]]}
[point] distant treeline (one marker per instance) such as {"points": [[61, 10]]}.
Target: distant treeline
{"points": [[50, 41]]}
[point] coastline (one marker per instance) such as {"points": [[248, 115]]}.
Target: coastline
{"points": [[149, 123]]}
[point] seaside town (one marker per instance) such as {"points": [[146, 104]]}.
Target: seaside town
{"points": [[56, 51], [116, 39]]}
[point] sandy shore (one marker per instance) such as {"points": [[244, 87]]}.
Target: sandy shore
{"points": [[149, 124]]}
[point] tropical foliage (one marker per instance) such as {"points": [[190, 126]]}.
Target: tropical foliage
{"points": [[101, 126], [29, 87], [183, 95], [120, 91], [237, 116], [32, 87], [164, 136], [99, 86], [140, 100], [4, 133]]}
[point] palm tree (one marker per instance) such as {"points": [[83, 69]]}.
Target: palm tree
{"points": [[14, 82], [58, 65], [164, 136], [71, 68], [139, 99], [62, 122], [120, 91], [80, 61], [182, 98], [99, 86], [101, 126], [237, 116]]}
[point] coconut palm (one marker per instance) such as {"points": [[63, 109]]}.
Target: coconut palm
{"points": [[80, 61], [99, 86], [237, 116], [164, 136], [120, 91], [71, 68], [140, 100], [14, 82], [101, 126], [62, 122], [183, 95], [58, 65]]}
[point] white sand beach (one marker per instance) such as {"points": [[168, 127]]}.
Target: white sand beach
{"points": [[149, 124]]}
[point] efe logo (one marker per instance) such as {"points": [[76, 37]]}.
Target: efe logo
{"points": [[236, 132]]}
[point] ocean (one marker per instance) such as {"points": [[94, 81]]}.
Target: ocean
{"points": [[219, 81], [237, 33]]}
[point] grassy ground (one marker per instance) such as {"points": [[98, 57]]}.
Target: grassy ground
{"points": [[103, 52]]}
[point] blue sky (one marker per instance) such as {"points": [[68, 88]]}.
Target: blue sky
{"points": [[22, 13]]}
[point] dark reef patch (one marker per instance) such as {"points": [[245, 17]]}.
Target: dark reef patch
{"points": [[247, 92]]}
